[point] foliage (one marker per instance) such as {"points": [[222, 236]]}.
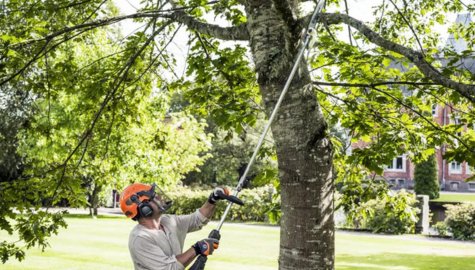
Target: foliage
{"points": [[459, 221], [259, 204], [395, 214], [75, 147], [229, 156], [425, 178]]}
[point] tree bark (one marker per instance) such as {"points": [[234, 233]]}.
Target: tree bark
{"points": [[303, 148], [94, 200]]}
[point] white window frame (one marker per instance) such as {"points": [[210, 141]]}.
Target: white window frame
{"points": [[471, 183], [455, 171], [456, 121], [394, 165]]}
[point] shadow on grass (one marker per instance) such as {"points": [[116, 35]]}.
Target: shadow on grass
{"points": [[397, 261]]}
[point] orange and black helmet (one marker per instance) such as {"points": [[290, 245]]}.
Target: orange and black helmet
{"points": [[135, 200], [133, 196]]}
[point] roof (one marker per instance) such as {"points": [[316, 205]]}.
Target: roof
{"points": [[459, 45]]}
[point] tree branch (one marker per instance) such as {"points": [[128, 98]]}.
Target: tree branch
{"points": [[178, 15], [410, 26], [225, 33], [287, 11], [410, 108], [466, 90], [371, 85]]}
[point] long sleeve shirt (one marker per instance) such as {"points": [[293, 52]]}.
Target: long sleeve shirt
{"points": [[157, 249]]}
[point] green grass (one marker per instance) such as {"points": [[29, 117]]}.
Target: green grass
{"points": [[457, 197], [102, 244]]}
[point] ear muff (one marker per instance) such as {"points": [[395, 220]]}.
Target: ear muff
{"points": [[145, 209]]}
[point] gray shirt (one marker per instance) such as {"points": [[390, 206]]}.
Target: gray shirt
{"points": [[157, 249]]}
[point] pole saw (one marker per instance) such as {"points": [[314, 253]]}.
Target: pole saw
{"points": [[200, 262]]}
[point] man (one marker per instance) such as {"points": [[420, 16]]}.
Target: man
{"points": [[156, 242]]}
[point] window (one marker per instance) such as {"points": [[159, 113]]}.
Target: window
{"points": [[392, 182], [456, 121], [454, 186], [398, 164], [471, 185], [401, 182], [455, 167], [434, 110]]}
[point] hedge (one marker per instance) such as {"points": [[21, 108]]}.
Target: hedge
{"points": [[459, 222], [260, 204]]}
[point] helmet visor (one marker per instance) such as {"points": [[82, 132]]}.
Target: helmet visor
{"points": [[161, 199]]}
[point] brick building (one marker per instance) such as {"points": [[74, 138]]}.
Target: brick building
{"points": [[451, 175]]}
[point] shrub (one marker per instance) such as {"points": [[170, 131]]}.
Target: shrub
{"points": [[441, 227], [459, 221], [259, 204], [395, 214], [425, 178]]}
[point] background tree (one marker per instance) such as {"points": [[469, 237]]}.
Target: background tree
{"points": [[425, 178], [15, 109], [353, 82], [128, 140]]}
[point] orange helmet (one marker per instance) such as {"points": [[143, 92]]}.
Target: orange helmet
{"points": [[134, 200], [133, 196]]}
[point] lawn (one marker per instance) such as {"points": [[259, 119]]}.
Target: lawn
{"points": [[456, 197], [102, 244]]}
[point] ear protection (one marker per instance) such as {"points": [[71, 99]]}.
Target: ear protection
{"points": [[144, 208]]}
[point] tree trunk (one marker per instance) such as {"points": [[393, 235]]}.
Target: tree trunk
{"points": [[303, 148], [94, 200]]}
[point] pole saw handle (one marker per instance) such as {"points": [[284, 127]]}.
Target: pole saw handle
{"points": [[230, 198], [200, 262]]}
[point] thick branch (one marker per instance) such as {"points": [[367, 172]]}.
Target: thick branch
{"points": [[225, 33], [371, 85], [466, 90], [287, 11]]}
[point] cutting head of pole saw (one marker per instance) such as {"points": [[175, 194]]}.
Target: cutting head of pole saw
{"points": [[230, 198]]}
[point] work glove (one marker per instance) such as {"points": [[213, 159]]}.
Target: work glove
{"points": [[214, 196], [206, 246]]}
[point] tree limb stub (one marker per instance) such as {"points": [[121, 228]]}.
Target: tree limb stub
{"points": [[466, 90]]}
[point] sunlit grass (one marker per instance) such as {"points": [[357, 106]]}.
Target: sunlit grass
{"points": [[102, 244], [456, 197]]}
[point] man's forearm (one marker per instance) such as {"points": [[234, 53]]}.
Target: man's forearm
{"points": [[207, 209], [186, 257]]}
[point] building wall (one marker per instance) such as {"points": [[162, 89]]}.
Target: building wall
{"points": [[449, 179]]}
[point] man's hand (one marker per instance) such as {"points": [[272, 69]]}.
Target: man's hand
{"points": [[206, 246], [214, 196]]}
